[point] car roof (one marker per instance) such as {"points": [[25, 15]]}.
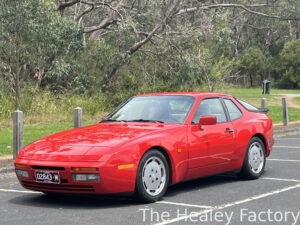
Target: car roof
{"points": [[195, 94]]}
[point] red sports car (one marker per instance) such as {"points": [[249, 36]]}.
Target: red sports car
{"points": [[149, 142]]}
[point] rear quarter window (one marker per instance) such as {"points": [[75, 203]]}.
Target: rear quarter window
{"points": [[247, 106], [233, 110]]}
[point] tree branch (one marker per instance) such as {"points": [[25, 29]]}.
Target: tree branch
{"points": [[107, 21], [124, 59], [84, 12], [100, 27], [240, 6], [62, 6], [139, 44]]}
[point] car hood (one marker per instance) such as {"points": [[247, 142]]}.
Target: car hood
{"points": [[88, 143]]}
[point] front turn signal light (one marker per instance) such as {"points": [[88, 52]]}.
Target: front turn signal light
{"points": [[20, 166], [85, 169], [125, 166]]}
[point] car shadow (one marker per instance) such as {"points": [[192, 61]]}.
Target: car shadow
{"points": [[201, 183], [73, 201]]}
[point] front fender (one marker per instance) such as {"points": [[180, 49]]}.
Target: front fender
{"points": [[172, 141]]}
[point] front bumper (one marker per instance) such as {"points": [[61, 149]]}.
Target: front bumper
{"points": [[112, 180]]}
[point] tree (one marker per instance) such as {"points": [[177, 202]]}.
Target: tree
{"points": [[143, 23], [214, 70], [33, 37], [289, 67], [140, 44], [251, 63]]}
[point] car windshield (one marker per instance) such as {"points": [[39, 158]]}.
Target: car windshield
{"points": [[160, 108]]}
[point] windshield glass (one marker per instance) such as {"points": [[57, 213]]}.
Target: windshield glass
{"points": [[160, 108]]}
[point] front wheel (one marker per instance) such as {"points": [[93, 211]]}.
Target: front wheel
{"points": [[255, 159], [152, 176]]}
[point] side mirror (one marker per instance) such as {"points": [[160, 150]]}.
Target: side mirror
{"points": [[207, 120]]}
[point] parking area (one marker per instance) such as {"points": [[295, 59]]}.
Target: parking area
{"points": [[222, 199]]}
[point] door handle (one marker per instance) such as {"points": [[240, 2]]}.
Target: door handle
{"points": [[228, 131]]}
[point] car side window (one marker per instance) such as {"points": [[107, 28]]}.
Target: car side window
{"points": [[210, 107], [233, 110]]}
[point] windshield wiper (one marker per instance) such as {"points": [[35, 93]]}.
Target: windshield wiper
{"points": [[146, 121], [111, 120]]}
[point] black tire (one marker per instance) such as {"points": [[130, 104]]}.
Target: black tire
{"points": [[140, 190], [246, 171]]}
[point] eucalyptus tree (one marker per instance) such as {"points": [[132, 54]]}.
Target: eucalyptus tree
{"points": [[149, 27], [34, 37]]}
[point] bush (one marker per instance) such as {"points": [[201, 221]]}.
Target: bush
{"points": [[42, 106]]}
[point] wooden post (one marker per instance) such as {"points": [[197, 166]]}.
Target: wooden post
{"points": [[77, 117], [17, 132], [285, 112], [263, 103]]}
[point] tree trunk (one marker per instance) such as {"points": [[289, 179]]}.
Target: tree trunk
{"points": [[251, 81]]}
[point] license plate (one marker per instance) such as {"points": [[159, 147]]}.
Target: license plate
{"points": [[47, 177]]}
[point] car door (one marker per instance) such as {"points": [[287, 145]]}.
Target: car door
{"points": [[215, 143]]}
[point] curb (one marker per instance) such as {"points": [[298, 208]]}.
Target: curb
{"points": [[281, 133]]}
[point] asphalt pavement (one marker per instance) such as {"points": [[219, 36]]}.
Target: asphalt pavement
{"points": [[221, 199]]}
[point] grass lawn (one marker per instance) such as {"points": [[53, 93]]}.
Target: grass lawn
{"points": [[254, 95], [31, 133], [296, 100], [275, 112]]}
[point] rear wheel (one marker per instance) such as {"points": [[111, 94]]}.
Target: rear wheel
{"points": [[255, 159], [152, 176]]}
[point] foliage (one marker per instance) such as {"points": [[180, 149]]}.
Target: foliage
{"points": [[45, 106], [289, 68], [115, 50], [212, 69], [33, 36], [251, 63]]}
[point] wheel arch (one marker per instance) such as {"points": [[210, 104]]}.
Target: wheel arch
{"points": [[263, 139], [168, 158]]}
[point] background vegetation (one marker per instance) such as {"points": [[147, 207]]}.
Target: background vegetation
{"points": [[59, 54]]}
